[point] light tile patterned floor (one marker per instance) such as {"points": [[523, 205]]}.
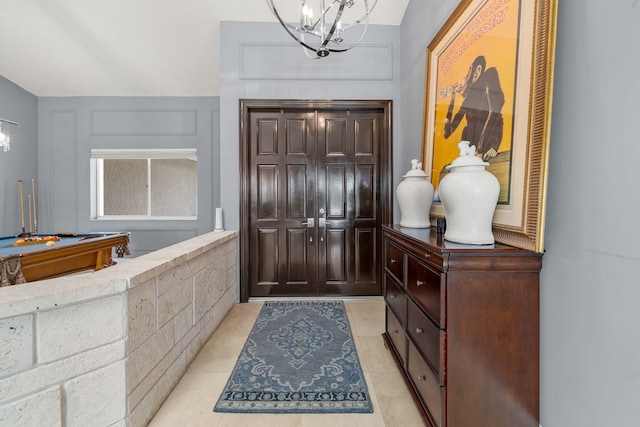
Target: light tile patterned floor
{"points": [[191, 403]]}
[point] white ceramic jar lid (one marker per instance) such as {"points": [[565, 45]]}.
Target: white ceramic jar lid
{"points": [[416, 170], [467, 157]]}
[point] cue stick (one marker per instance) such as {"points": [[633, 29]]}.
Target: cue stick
{"points": [[21, 204], [35, 216], [30, 230]]}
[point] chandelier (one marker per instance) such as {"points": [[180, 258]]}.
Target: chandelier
{"points": [[322, 26]]}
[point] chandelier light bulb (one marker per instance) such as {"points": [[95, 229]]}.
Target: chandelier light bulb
{"points": [[307, 17]]}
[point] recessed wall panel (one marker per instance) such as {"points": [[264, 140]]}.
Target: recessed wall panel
{"points": [[137, 123], [273, 61], [64, 178]]}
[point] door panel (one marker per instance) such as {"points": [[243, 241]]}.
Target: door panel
{"points": [[281, 261], [313, 202], [267, 265], [349, 167], [297, 256], [336, 266], [336, 190], [267, 192]]}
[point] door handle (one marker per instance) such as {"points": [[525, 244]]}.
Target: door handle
{"points": [[322, 222], [310, 223]]}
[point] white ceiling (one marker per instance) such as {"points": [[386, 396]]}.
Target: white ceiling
{"points": [[127, 47]]}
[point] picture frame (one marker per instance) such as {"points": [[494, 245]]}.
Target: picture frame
{"points": [[489, 80]]}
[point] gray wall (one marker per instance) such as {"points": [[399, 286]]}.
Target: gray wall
{"points": [[20, 162], [260, 61], [70, 127], [591, 350], [590, 347]]}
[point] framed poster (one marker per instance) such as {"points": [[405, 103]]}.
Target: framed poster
{"points": [[489, 79]]}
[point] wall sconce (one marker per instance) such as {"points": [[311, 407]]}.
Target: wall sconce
{"points": [[5, 140]]}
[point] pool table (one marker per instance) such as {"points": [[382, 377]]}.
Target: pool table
{"points": [[69, 253]]}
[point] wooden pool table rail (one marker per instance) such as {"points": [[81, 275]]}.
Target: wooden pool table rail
{"points": [[94, 253]]}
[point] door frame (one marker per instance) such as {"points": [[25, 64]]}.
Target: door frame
{"points": [[386, 173]]}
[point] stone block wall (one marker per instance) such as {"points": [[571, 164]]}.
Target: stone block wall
{"points": [[106, 348]]}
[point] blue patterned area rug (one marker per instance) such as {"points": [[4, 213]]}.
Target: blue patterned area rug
{"points": [[300, 357]]}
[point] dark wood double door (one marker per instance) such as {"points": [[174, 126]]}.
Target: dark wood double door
{"points": [[315, 196]]}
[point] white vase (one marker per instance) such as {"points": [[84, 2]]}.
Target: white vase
{"points": [[415, 194], [469, 195]]}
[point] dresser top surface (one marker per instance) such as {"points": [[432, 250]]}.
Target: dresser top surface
{"points": [[428, 237]]}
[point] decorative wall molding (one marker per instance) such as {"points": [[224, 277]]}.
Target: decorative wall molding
{"points": [[63, 185], [143, 122], [289, 62]]}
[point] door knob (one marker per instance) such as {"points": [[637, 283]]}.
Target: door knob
{"points": [[310, 223]]}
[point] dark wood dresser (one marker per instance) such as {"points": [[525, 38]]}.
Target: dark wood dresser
{"points": [[462, 323]]}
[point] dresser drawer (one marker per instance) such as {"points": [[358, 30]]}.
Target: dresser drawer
{"points": [[426, 285], [395, 298], [431, 393], [428, 338], [394, 261], [396, 333]]}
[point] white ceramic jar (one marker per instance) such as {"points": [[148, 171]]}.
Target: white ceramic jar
{"points": [[469, 195], [415, 194]]}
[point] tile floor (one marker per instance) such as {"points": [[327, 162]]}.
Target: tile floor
{"points": [[191, 403]]}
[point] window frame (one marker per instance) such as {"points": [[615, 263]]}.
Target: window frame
{"points": [[97, 157]]}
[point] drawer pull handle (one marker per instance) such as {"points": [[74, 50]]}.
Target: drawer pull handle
{"points": [[419, 283], [427, 255], [419, 330], [421, 378], [393, 261]]}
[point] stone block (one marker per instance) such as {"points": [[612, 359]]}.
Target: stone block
{"points": [[183, 322], [72, 329], [142, 313], [174, 301], [146, 356], [48, 375], [198, 263], [157, 373], [97, 398], [205, 291], [16, 336], [39, 409], [145, 410], [172, 278]]}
